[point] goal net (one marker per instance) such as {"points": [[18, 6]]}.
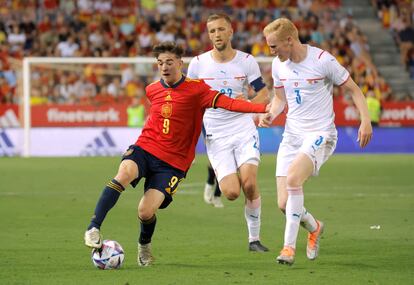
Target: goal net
{"points": [[85, 106]]}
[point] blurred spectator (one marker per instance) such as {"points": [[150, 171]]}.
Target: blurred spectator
{"points": [[410, 62], [67, 47], [164, 35], [383, 89], [146, 39], [304, 6], [102, 6], [29, 28], [374, 108], [114, 88], [5, 90], [96, 39], [347, 23], [84, 89], [166, 6], [67, 7], [405, 40], [241, 36], [16, 38], [136, 113], [65, 90], [260, 48]]}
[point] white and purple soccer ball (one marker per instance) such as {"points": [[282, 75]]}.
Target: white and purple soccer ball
{"points": [[109, 256]]}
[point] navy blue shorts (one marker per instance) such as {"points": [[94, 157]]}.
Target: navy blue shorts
{"points": [[158, 174]]}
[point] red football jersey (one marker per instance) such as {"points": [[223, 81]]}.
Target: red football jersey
{"points": [[175, 118]]}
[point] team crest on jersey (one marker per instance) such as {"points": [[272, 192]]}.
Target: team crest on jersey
{"points": [[166, 110], [224, 82], [296, 84]]}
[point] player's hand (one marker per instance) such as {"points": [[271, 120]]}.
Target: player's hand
{"points": [[364, 133], [266, 120]]}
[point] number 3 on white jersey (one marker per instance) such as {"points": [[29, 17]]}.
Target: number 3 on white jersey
{"points": [[298, 97]]}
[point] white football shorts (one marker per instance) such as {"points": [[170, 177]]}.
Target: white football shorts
{"points": [[318, 146], [227, 154]]}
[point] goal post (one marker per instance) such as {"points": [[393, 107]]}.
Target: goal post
{"points": [[31, 63]]}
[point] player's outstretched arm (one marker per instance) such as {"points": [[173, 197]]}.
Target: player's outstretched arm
{"points": [[241, 106], [365, 129], [277, 106], [262, 96]]}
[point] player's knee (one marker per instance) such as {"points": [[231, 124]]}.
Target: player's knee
{"points": [[231, 194], [145, 213], [127, 172], [294, 180], [123, 179], [250, 189]]}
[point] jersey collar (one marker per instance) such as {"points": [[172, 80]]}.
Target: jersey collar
{"points": [[165, 85]]}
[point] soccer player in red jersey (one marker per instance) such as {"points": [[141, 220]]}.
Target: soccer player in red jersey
{"points": [[166, 147]]}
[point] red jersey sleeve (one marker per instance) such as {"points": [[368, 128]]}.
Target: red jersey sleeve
{"points": [[241, 106], [208, 96], [214, 99]]}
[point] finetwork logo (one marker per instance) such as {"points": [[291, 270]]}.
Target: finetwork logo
{"points": [[6, 145], [101, 145]]}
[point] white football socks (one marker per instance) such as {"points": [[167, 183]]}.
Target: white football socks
{"points": [[294, 210], [252, 212], [308, 221]]}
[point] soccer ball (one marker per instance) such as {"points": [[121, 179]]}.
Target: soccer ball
{"points": [[109, 256]]}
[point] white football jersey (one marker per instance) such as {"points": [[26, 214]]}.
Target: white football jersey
{"points": [[230, 78], [309, 90]]}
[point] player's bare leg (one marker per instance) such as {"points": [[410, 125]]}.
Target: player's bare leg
{"points": [[230, 186], [147, 208]]}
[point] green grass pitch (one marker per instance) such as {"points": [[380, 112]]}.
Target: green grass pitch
{"points": [[45, 205]]}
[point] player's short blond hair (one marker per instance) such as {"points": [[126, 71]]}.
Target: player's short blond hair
{"points": [[218, 16], [283, 28]]}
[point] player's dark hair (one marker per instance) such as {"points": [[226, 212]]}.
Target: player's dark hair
{"points": [[170, 47], [218, 16]]}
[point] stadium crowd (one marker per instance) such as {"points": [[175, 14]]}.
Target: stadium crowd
{"points": [[103, 28], [398, 17]]}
